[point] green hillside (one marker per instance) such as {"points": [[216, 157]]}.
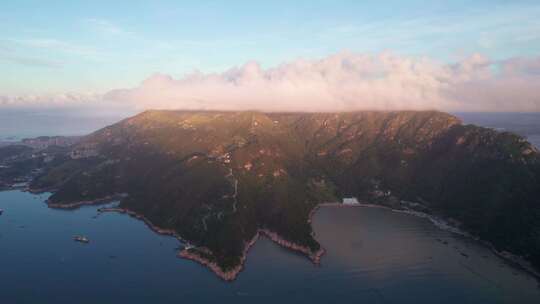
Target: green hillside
{"points": [[217, 177]]}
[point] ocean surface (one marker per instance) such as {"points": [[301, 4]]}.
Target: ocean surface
{"points": [[373, 255], [18, 124], [524, 124]]}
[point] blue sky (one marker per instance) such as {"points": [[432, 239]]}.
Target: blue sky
{"points": [[94, 46]]}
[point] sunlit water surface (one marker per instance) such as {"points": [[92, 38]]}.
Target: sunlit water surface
{"points": [[374, 256]]}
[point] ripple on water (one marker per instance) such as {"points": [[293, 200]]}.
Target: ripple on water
{"points": [[373, 255]]}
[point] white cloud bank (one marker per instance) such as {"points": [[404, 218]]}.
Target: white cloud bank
{"points": [[347, 82]]}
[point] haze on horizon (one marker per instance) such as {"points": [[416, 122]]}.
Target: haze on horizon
{"points": [[307, 56]]}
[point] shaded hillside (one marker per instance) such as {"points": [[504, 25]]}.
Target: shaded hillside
{"points": [[216, 178]]}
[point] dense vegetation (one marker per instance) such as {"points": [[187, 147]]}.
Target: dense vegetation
{"points": [[217, 177]]}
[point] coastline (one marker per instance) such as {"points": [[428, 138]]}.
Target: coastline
{"points": [[76, 205], [146, 221], [187, 253], [230, 275], [514, 259]]}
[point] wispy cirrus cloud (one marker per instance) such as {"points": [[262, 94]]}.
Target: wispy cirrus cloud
{"points": [[57, 45], [106, 28], [31, 61], [9, 54], [479, 29]]}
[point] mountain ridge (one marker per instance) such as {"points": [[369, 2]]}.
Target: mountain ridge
{"points": [[218, 178]]}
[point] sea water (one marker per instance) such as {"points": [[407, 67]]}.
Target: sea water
{"points": [[373, 255]]}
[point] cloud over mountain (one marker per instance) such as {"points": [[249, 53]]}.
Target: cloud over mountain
{"points": [[345, 82], [348, 81]]}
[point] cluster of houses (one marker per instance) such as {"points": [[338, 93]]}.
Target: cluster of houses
{"points": [[44, 142], [84, 152]]}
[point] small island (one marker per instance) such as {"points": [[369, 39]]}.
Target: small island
{"points": [[221, 180]]}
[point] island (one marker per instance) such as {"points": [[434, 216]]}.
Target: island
{"points": [[220, 180]]}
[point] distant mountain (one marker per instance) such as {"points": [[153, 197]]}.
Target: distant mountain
{"points": [[219, 179], [524, 124]]}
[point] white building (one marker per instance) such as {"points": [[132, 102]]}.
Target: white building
{"points": [[350, 201]]}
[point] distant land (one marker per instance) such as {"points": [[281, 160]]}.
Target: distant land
{"points": [[16, 124], [524, 124], [219, 180]]}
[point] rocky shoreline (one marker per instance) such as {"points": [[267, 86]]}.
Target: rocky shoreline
{"points": [[231, 274], [76, 205], [187, 253], [315, 257], [191, 254], [153, 227], [514, 259]]}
